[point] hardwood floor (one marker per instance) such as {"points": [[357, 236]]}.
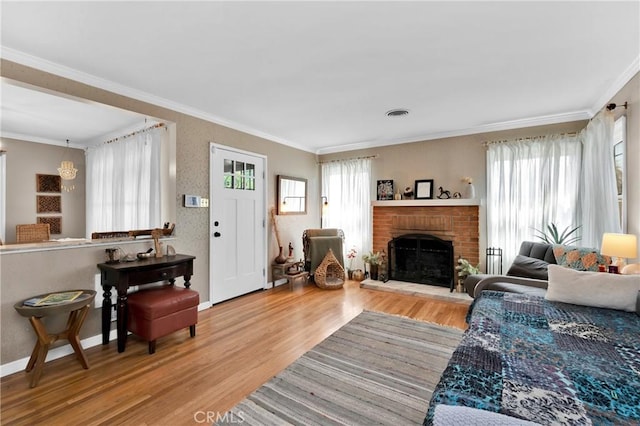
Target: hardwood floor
{"points": [[239, 345]]}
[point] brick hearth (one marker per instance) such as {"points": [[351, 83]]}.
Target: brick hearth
{"points": [[457, 223]]}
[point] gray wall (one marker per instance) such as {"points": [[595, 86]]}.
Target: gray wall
{"points": [[24, 161]]}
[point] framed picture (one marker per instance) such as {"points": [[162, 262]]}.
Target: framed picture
{"points": [[385, 189], [48, 183], [55, 223], [424, 189], [48, 204]]}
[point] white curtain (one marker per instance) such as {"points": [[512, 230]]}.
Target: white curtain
{"points": [[123, 183], [347, 186], [598, 194], [530, 184]]}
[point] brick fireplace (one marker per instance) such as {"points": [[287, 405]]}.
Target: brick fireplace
{"points": [[451, 220]]}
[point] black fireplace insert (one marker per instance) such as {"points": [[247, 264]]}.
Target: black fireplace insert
{"points": [[421, 258]]}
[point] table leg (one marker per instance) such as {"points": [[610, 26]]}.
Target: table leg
{"points": [[40, 351], [76, 319], [122, 320], [106, 313]]}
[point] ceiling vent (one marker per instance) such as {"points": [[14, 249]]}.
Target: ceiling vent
{"points": [[397, 112]]}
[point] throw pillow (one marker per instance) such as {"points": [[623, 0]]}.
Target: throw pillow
{"points": [[579, 258], [598, 289], [528, 267]]}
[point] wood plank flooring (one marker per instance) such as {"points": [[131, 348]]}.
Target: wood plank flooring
{"points": [[239, 345]]}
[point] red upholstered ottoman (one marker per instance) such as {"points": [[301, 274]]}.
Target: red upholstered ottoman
{"points": [[160, 311]]}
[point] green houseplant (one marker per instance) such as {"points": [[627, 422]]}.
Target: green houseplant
{"points": [[373, 259], [465, 268], [552, 236]]}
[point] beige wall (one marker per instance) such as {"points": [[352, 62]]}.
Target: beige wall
{"points": [[24, 161], [445, 161], [193, 136], [448, 160]]}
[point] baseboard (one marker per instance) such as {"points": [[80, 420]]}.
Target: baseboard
{"points": [[59, 352]]}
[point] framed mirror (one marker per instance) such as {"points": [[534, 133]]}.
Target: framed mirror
{"points": [[292, 195]]}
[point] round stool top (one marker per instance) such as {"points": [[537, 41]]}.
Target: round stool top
{"points": [[79, 302]]}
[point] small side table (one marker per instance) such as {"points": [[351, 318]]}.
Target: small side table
{"points": [[292, 279], [77, 309], [279, 270]]}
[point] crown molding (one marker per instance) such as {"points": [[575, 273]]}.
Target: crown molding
{"points": [[616, 86], [38, 139], [486, 128], [91, 80], [70, 73]]}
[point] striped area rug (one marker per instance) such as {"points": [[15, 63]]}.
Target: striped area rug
{"points": [[376, 369]]}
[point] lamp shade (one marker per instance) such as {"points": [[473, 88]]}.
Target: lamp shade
{"points": [[619, 245]]}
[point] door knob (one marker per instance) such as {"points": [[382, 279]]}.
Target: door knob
{"points": [[216, 234]]}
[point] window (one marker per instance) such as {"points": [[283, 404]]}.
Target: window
{"points": [[619, 145], [346, 188], [239, 175], [124, 187]]}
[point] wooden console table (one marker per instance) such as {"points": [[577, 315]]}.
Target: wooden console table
{"points": [[126, 274]]}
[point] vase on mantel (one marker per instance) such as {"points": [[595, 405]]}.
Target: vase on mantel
{"points": [[470, 191]]}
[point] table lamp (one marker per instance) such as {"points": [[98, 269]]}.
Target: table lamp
{"points": [[621, 246]]}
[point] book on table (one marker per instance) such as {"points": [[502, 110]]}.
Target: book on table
{"points": [[54, 298]]}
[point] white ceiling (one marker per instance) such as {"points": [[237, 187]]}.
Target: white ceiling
{"points": [[321, 75]]}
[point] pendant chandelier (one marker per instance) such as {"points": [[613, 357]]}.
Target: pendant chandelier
{"points": [[67, 172]]}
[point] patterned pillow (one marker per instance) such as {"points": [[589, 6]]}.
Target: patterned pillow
{"points": [[579, 258]]}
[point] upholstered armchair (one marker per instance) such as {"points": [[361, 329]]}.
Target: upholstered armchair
{"points": [[317, 242]]}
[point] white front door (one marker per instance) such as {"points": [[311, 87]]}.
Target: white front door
{"points": [[237, 248]]}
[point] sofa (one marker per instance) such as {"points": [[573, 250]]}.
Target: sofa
{"points": [[528, 272], [570, 356]]}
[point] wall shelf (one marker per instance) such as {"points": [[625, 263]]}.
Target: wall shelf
{"points": [[450, 202]]}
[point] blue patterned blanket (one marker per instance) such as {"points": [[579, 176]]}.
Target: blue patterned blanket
{"points": [[547, 362]]}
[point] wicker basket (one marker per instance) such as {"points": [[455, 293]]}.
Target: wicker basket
{"points": [[329, 274], [32, 233]]}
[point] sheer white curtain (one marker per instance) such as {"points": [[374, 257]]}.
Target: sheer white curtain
{"points": [[530, 184], [123, 183], [598, 194], [347, 186]]}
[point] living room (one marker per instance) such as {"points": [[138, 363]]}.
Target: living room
{"points": [[445, 159]]}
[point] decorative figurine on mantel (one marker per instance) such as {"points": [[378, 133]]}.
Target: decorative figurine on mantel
{"points": [[444, 194], [290, 251], [408, 193]]}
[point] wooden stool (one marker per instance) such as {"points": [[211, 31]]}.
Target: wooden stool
{"points": [[160, 311], [292, 279], [77, 309]]}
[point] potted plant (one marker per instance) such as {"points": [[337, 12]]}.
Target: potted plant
{"points": [[373, 259], [465, 269], [553, 236]]}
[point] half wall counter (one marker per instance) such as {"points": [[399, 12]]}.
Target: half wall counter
{"points": [[47, 267]]}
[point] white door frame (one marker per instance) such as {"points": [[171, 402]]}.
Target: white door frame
{"points": [[213, 146]]}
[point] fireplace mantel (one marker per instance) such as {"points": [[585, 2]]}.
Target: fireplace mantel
{"points": [[428, 203]]}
